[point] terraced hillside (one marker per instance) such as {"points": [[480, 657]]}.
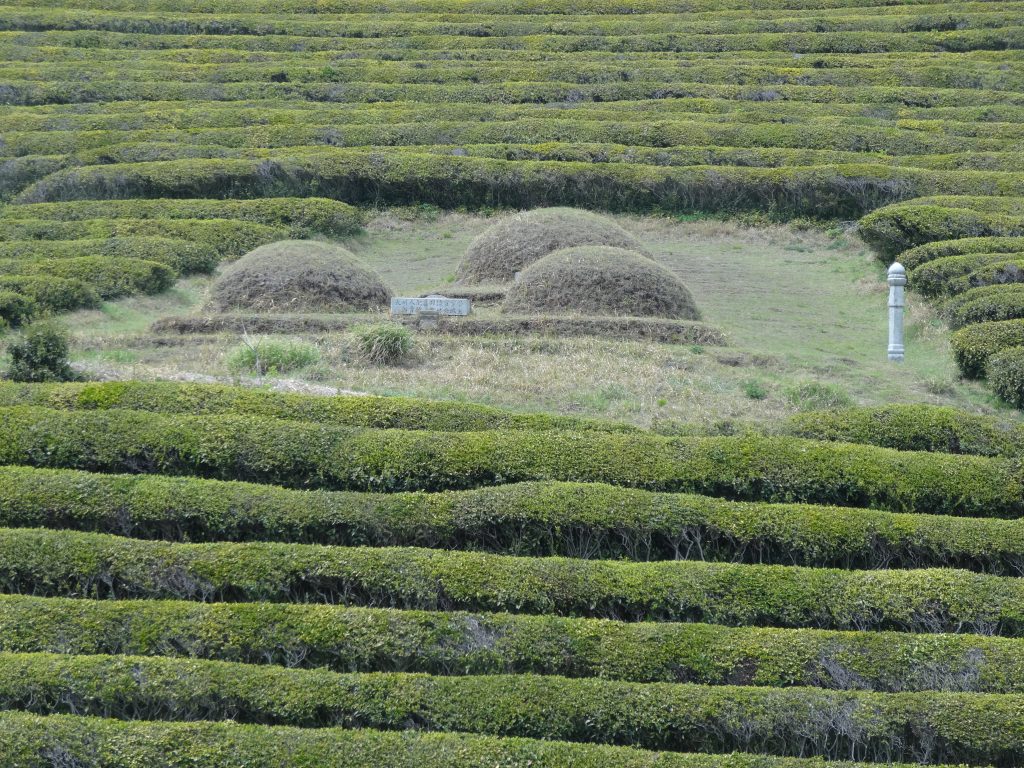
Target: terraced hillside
{"points": [[822, 108], [197, 576]]}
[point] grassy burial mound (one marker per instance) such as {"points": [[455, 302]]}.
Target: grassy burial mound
{"points": [[600, 280], [297, 276], [514, 243]]}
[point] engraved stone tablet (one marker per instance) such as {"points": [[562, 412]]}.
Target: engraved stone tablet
{"points": [[442, 305]]}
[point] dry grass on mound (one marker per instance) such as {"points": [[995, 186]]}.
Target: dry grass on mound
{"points": [[600, 280], [622, 328], [517, 241], [298, 276]]}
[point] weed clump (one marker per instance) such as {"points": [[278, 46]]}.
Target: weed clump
{"points": [[262, 356], [384, 343], [517, 241], [298, 276], [601, 280]]}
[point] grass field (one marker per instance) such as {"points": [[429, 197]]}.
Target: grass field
{"points": [[804, 310]]}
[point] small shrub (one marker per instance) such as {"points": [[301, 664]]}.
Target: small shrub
{"points": [[1005, 372], [271, 356], [813, 395], [15, 308], [755, 390], [41, 354], [384, 343]]}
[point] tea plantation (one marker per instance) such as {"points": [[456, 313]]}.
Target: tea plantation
{"points": [[208, 576], [201, 575], [143, 140]]}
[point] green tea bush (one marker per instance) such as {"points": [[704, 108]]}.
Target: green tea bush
{"points": [[384, 343], [1004, 272], [228, 238], [48, 563], [302, 216], [300, 454], [982, 305], [15, 308], [41, 353], [110, 277], [755, 389], [352, 410], [915, 257], [949, 275], [1005, 373], [51, 294], [975, 344], [976, 728], [180, 255], [272, 356], [896, 228], [411, 177], [351, 639], [540, 519], [91, 742], [916, 427]]}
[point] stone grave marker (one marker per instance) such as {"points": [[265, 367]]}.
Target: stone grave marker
{"points": [[440, 305]]}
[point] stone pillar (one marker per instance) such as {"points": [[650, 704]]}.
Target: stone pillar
{"points": [[897, 279]]}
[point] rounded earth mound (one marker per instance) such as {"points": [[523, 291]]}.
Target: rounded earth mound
{"points": [[600, 280], [298, 276], [517, 241]]}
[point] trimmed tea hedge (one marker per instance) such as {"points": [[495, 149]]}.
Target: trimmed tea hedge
{"points": [[896, 228], [301, 216], [945, 276], [66, 563], [975, 344], [981, 729], [1005, 372], [387, 640], [983, 305], [915, 257], [409, 177], [180, 255], [916, 427], [227, 237], [109, 276], [302, 454], [1004, 272], [540, 519], [353, 410], [32, 742], [51, 294]]}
